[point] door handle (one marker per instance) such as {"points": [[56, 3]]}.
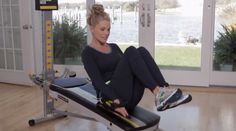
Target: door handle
{"points": [[142, 20], [26, 27]]}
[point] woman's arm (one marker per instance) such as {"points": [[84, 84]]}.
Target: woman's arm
{"points": [[96, 77]]}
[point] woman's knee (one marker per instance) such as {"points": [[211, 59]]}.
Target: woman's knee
{"points": [[142, 50], [131, 50]]}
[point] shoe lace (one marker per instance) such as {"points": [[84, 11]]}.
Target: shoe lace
{"points": [[159, 98]]}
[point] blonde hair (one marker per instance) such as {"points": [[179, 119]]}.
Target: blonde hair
{"points": [[97, 14]]}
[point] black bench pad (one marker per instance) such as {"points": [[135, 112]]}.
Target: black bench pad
{"points": [[149, 118]]}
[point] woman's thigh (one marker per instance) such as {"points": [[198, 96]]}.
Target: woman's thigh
{"points": [[136, 96], [122, 80]]}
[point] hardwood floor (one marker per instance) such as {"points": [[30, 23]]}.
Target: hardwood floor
{"points": [[212, 109]]}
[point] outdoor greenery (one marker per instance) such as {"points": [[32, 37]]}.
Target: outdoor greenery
{"points": [[228, 14], [125, 5], [222, 2], [69, 40], [177, 57], [130, 6], [165, 4], [225, 46]]}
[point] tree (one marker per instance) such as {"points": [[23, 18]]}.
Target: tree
{"points": [[165, 4], [222, 2], [130, 6], [228, 13]]}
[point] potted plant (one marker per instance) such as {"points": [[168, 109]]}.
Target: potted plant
{"points": [[69, 40], [225, 48]]}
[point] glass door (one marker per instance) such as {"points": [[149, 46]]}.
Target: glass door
{"points": [[69, 31], [178, 33], [125, 28], [15, 41], [69, 35], [181, 41], [224, 44], [124, 21]]}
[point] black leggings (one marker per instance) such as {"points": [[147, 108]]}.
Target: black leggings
{"points": [[135, 71]]}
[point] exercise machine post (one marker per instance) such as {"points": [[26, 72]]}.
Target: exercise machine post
{"points": [[46, 6]]}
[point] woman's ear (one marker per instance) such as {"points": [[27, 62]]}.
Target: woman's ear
{"points": [[91, 29]]}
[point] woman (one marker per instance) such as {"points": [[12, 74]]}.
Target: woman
{"points": [[122, 77]]}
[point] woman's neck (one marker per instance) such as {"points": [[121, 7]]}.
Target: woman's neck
{"points": [[98, 43], [102, 47]]}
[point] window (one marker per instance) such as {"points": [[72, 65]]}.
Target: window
{"points": [[69, 32], [178, 34], [124, 18], [225, 36]]}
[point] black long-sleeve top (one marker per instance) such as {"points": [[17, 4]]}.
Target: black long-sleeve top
{"points": [[100, 67]]}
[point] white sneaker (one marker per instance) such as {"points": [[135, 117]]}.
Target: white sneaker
{"points": [[167, 96], [183, 99]]}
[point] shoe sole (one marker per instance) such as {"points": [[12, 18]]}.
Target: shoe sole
{"points": [[183, 100], [175, 96]]}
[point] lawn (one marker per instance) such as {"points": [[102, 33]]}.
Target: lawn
{"points": [[168, 57], [177, 57]]}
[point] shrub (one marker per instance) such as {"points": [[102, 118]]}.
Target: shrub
{"points": [[69, 39], [225, 46]]}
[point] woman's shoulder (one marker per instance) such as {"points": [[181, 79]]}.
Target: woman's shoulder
{"points": [[86, 50]]}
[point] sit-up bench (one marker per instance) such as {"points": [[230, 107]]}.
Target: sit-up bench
{"points": [[80, 93]]}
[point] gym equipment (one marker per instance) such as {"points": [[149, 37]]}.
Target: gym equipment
{"points": [[79, 92]]}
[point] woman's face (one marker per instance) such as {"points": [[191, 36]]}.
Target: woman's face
{"points": [[101, 31]]}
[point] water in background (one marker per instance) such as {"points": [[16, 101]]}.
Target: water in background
{"points": [[169, 28]]}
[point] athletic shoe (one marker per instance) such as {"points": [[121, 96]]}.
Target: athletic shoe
{"points": [[167, 96], [183, 100]]}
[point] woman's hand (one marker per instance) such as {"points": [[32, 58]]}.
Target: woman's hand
{"points": [[121, 110]]}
